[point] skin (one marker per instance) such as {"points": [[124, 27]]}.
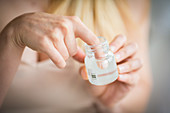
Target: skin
{"points": [[52, 38], [52, 41], [127, 66]]}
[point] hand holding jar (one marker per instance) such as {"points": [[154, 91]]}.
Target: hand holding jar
{"points": [[127, 67]]}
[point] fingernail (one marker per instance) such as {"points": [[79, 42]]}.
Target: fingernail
{"points": [[84, 74], [136, 64], [123, 68], [131, 48], [113, 48], [103, 64], [117, 56], [122, 38]]}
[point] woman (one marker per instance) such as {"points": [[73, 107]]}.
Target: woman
{"points": [[39, 86]]}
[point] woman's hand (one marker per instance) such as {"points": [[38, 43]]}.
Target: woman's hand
{"points": [[52, 35], [127, 66], [46, 33]]}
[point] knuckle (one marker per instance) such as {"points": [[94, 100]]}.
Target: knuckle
{"points": [[43, 44], [56, 38], [66, 22], [66, 25], [42, 41], [56, 35]]}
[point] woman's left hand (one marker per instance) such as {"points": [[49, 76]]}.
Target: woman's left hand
{"points": [[128, 67]]}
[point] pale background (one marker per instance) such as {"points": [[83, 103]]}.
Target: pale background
{"points": [[160, 56]]}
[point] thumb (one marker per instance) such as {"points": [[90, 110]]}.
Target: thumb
{"points": [[80, 55], [83, 72]]}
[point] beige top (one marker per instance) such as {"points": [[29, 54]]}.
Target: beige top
{"points": [[43, 88]]}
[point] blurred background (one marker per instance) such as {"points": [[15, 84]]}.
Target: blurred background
{"points": [[160, 56], [159, 42]]}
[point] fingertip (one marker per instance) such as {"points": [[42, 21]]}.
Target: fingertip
{"points": [[121, 37], [124, 38], [56, 57], [117, 42], [122, 78], [136, 64], [61, 65], [113, 48], [83, 73]]}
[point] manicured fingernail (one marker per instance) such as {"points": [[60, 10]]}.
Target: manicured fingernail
{"points": [[136, 64], [122, 37], [103, 64], [131, 48], [113, 48], [84, 74], [123, 68], [117, 56]]}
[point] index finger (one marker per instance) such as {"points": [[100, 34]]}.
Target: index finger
{"points": [[83, 32]]}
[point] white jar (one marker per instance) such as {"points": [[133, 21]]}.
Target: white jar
{"points": [[100, 63]]}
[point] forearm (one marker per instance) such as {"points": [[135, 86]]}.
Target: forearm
{"points": [[10, 56]]}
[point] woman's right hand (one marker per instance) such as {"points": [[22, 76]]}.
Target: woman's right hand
{"points": [[52, 35]]}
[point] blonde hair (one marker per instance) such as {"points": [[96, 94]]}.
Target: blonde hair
{"points": [[101, 16]]}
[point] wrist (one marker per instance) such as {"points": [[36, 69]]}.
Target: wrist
{"points": [[9, 36], [10, 55], [8, 40]]}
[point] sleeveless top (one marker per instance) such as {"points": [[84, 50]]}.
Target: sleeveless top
{"points": [[41, 87]]}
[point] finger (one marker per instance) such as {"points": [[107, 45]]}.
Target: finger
{"points": [[83, 32], [130, 78], [69, 38], [126, 52], [117, 43], [70, 42], [87, 36], [83, 73], [80, 55], [99, 52], [56, 57], [129, 66], [59, 43]]}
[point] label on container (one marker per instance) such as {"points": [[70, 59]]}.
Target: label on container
{"points": [[92, 74]]}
